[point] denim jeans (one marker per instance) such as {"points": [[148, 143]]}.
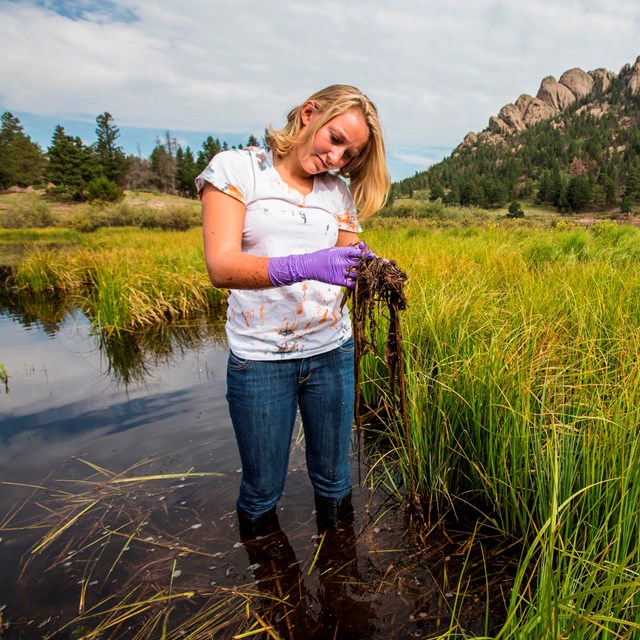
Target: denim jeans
{"points": [[264, 397]]}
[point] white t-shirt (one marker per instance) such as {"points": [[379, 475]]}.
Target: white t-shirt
{"points": [[303, 319]]}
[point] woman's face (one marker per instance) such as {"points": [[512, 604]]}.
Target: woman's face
{"points": [[334, 144]]}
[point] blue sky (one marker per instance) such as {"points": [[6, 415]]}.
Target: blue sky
{"points": [[436, 69]]}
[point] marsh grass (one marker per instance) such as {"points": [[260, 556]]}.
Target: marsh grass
{"points": [[130, 556], [523, 388], [124, 279]]}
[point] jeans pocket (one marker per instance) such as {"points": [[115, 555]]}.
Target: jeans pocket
{"points": [[348, 347], [236, 363]]}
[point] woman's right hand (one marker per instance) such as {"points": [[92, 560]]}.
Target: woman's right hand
{"points": [[335, 265]]}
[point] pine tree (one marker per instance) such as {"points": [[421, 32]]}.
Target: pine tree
{"points": [[111, 159], [21, 160], [578, 193], [71, 164], [187, 171], [210, 147]]}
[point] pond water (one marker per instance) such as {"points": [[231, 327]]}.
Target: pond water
{"points": [[81, 417]]}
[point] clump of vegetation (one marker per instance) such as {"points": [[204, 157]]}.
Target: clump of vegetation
{"points": [[171, 218], [523, 397], [23, 214], [4, 378], [125, 279], [515, 210], [103, 190]]}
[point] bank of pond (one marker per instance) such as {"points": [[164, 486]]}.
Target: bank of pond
{"points": [[521, 352]]}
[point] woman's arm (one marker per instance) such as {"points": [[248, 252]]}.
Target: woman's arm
{"points": [[345, 238], [230, 268], [222, 224]]}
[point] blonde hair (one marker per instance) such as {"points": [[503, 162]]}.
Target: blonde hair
{"points": [[368, 175]]}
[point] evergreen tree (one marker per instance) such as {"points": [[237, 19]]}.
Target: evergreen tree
{"points": [[253, 141], [111, 159], [210, 147], [515, 210], [21, 160], [578, 193], [162, 163], [436, 191], [71, 164], [187, 171]]}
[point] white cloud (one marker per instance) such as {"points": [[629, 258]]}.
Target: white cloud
{"points": [[436, 69]]}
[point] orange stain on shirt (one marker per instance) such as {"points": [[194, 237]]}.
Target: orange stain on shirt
{"points": [[344, 217], [324, 316], [235, 192]]}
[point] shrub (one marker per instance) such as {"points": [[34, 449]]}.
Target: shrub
{"points": [[83, 221], [103, 190], [28, 214], [515, 210], [171, 219]]}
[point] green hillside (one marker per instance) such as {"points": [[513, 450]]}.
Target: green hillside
{"points": [[585, 157]]}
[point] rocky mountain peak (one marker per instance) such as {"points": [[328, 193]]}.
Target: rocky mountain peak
{"points": [[553, 97]]}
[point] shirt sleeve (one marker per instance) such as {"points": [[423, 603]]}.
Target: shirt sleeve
{"points": [[229, 172], [347, 217]]}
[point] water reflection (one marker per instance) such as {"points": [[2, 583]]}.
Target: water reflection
{"points": [[130, 356], [49, 312]]}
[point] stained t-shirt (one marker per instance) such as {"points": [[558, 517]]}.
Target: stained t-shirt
{"points": [[305, 318]]}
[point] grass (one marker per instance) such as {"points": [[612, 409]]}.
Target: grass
{"points": [[521, 353], [521, 346], [92, 523], [124, 279], [131, 556], [4, 378]]}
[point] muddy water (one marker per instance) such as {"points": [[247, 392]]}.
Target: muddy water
{"points": [[77, 410]]}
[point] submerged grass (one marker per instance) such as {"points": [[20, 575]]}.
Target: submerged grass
{"points": [[103, 529]]}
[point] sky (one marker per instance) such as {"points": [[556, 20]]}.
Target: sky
{"points": [[436, 69]]}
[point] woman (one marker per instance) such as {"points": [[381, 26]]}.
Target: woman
{"points": [[280, 231]]}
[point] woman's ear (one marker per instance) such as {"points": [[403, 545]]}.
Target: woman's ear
{"points": [[307, 110]]}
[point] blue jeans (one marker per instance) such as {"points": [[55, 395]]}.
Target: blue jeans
{"points": [[264, 397]]}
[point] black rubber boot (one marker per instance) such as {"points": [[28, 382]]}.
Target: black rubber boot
{"points": [[330, 513], [263, 525]]}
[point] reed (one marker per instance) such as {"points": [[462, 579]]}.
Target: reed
{"points": [[523, 387]]}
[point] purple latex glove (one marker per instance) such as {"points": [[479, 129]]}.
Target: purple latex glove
{"points": [[335, 265]]}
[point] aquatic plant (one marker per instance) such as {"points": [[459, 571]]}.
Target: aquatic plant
{"points": [[4, 378]]}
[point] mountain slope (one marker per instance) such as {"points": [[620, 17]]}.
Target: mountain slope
{"points": [[576, 145]]}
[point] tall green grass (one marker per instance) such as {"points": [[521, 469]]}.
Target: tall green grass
{"points": [[522, 352], [125, 279]]}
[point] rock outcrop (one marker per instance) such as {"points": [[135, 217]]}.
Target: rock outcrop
{"points": [[634, 81], [553, 97], [556, 94]]}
